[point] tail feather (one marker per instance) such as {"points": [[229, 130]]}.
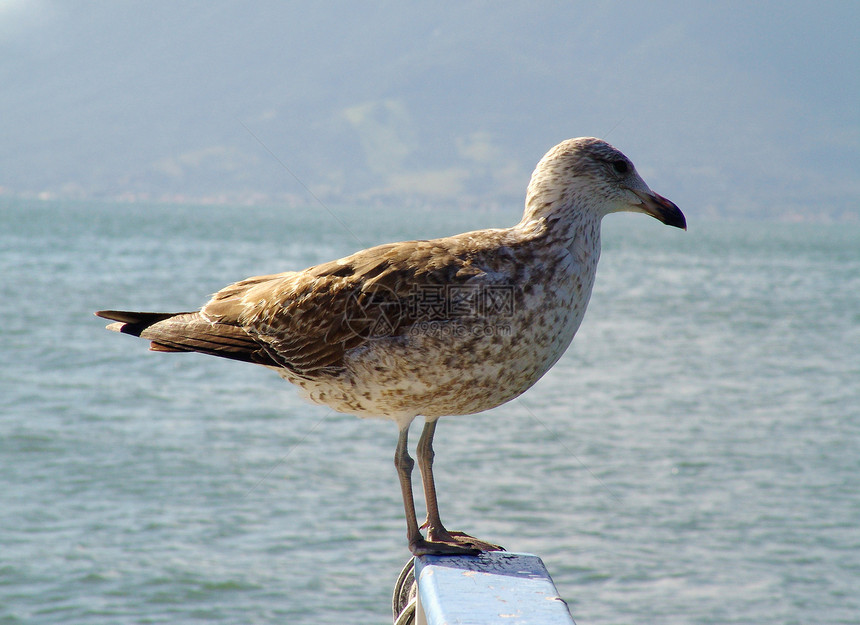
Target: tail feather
{"points": [[133, 322], [189, 332]]}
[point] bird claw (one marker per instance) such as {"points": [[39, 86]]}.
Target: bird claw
{"points": [[461, 538], [443, 542], [439, 548]]}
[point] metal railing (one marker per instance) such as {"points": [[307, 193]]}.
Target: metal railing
{"points": [[493, 587]]}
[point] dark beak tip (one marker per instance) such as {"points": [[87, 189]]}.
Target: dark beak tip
{"points": [[679, 221], [665, 211], [670, 213]]}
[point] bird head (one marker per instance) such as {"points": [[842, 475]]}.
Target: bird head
{"points": [[587, 177]]}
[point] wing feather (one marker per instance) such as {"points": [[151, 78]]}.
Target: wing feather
{"points": [[306, 321]]}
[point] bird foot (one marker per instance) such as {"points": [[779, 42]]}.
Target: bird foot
{"points": [[461, 538], [443, 542], [424, 547]]}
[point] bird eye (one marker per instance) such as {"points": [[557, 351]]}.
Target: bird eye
{"points": [[620, 166]]}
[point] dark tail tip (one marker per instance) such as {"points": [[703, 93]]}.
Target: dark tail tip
{"points": [[132, 322]]}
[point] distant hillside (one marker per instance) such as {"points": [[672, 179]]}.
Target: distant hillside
{"points": [[275, 101]]}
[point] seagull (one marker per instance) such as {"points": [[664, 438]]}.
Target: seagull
{"points": [[432, 328]]}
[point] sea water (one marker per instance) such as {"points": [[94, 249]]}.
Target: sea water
{"points": [[693, 458]]}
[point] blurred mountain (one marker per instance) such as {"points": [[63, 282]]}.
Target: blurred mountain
{"points": [[730, 109]]}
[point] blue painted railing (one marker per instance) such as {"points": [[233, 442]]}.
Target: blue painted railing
{"points": [[494, 587]]}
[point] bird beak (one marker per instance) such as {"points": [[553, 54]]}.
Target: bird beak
{"points": [[661, 209]]}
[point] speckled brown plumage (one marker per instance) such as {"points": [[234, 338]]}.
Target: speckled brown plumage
{"points": [[447, 326]]}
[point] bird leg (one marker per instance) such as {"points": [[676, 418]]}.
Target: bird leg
{"points": [[436, 532], [403, 463], [417, 543]]}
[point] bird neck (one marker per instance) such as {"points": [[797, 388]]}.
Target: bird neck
{"points": [[584, 244], [567, 226]]}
